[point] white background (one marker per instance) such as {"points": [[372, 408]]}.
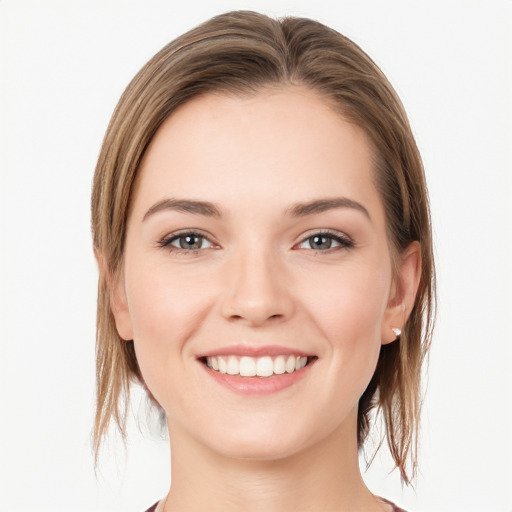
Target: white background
{"points": [[63, 67]]}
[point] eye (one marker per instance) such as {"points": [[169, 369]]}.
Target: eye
{"points": [[324, 241], [186, 241]]}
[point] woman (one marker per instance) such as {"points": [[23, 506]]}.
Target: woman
{"points": [[261, 225]]}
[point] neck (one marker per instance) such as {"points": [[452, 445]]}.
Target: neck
{"points": [[325, 476]]}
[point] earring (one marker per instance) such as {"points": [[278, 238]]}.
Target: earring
{"points": [[397, 331]]}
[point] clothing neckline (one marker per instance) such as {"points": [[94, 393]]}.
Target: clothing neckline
{"points": [[384, 500]]}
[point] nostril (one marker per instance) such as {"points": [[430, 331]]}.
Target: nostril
{"points": [[256, 319]]}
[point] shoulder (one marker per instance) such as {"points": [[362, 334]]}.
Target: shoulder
{"points": [[394, 508]]}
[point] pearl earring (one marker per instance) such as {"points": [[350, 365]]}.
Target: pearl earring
{"points": [[397, 331]]}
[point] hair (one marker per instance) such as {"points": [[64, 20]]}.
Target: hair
{"points": [[243, 53]]}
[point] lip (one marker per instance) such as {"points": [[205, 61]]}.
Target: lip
{"points": [[254, 351], [256, 385]]}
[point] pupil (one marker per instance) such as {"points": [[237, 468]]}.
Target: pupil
{"points": [[321, 242], [191, 242]]}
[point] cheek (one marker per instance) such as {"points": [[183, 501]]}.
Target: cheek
{"points": [[350, 306], [349, 313], [166, 310]]}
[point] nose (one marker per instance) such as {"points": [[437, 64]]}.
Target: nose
{"points": [[258, 290]]}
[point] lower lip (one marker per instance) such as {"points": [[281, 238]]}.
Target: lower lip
{"points": [[258, 385]]}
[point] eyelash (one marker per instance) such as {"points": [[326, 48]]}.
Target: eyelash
{"points": [[167, 241], [343, 240]]}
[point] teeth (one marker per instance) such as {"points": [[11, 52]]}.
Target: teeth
{"points": [[233, 366], [223, 365], [279, 365], [251, 366], [290, 364], [247, 367], [264, 367]]}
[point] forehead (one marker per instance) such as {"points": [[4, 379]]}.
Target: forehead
{"points": [[277, 146]]}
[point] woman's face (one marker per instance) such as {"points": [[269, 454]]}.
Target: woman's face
{"points": [[257, 239]]}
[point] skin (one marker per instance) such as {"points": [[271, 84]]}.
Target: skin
{"points": [[257, 279]]}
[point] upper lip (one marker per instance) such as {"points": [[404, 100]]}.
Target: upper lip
{"points": [[253, 351]]}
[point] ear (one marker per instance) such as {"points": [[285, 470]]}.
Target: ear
{"points": [[403, 292], [117, 297]]}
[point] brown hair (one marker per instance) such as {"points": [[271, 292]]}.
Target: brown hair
{"points": [[241, 53]]}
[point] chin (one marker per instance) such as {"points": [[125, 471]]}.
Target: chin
{"points": [[260, 450], [259, 441]]}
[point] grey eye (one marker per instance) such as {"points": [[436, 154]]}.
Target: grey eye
{"points": [[190, 242], [321, 242], [325, 241]]}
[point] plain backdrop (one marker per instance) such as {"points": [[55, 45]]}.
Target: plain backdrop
{"points": [[64, 65]]}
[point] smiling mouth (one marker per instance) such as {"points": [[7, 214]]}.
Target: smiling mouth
{"points": [[265, 366]]}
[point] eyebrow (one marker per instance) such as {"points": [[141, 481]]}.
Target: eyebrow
{"points": [[209, 209], [323, 205], [185, 205]]}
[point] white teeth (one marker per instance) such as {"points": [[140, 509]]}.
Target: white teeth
{"points": [[233, 366], [279, 365], [301, 362], [247, 367], [223, 365], [290, 364], [265, 366]]}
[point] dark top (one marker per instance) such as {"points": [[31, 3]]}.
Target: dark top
{"points": [[395, 508]]}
